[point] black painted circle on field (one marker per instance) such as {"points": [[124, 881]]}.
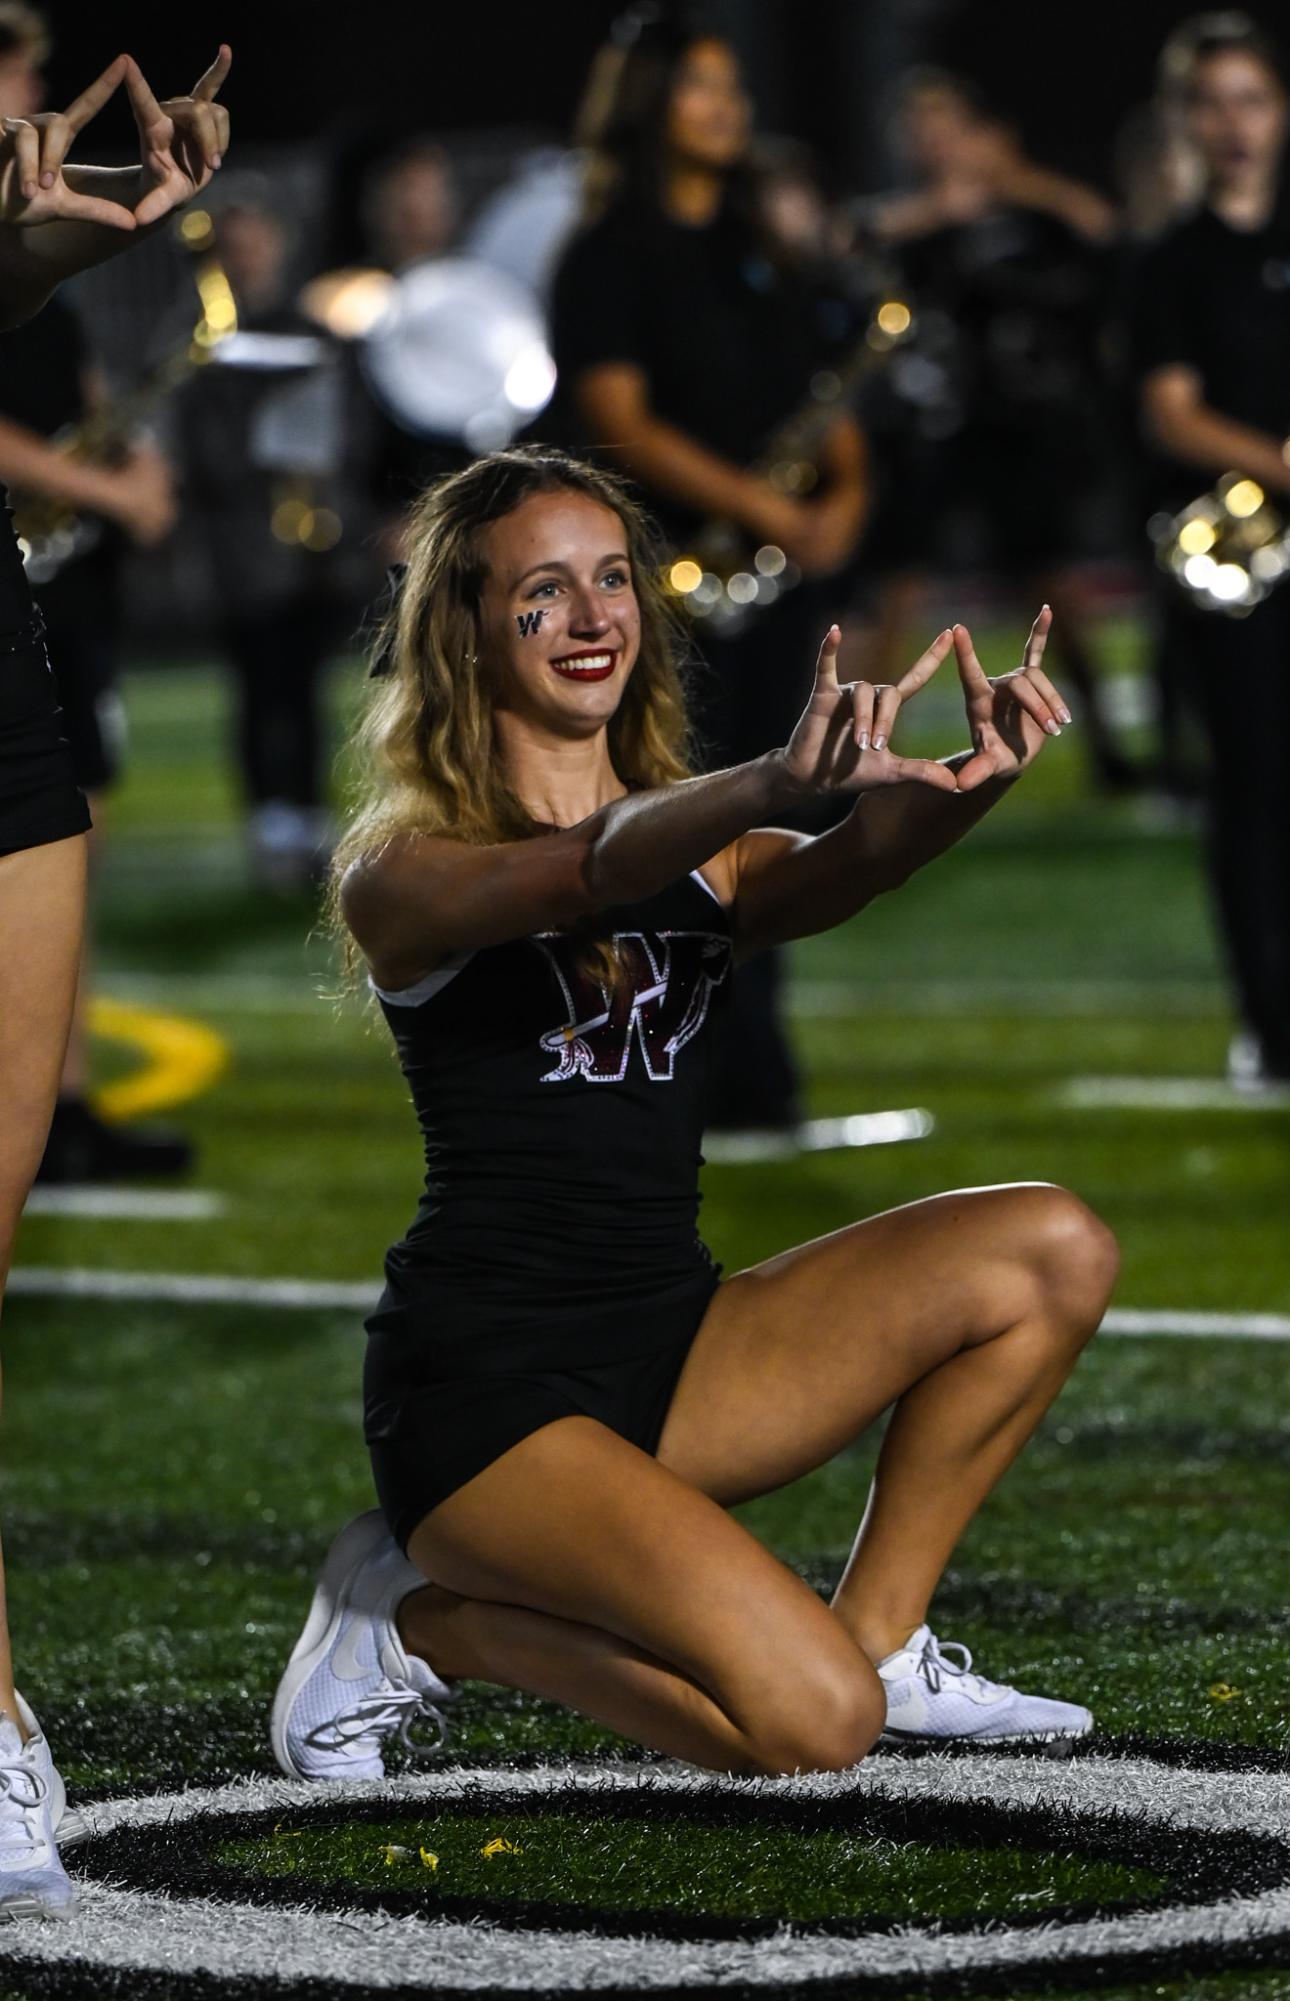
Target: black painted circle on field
{"points": [[1195, 1866], [156, 1892]]}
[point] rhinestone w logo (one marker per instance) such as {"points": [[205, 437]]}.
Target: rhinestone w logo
{"points": [[661, 1003]]}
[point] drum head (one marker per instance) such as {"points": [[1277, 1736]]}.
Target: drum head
{"points": [[460, 352]]}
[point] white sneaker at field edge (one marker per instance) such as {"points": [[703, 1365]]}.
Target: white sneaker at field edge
{"points": [[33, 1813], [934, 1700], [350, 1683]]}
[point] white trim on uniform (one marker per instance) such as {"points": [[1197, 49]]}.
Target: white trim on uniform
{"points": [[703, 883], [425, 989]]}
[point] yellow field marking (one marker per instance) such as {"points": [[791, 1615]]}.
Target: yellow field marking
{"points": [[182, 1058]]}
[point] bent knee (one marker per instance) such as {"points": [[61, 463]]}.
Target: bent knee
{"points": [[827, 1725], [1074, 1255]]}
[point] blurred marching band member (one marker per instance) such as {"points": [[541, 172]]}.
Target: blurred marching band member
{"points": [[263, 452], [524, 226], [1211, 350], [55, 221], [48, 382], [563, 1398], [684, 334], [410, 212], [410, 205], [1007, 262], [1158, 173]]}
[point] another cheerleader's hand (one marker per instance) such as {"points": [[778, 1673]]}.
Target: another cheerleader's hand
{"points": [[182, 140], [843, 741], [1010, 716], [33, 190]]}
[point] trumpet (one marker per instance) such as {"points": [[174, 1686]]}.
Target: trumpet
{"points": [[51, 533], [720, 578], [1228, 549]]}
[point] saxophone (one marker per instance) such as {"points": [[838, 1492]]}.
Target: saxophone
{"points": [[720, 578], [1228, 549], [51, 533]]}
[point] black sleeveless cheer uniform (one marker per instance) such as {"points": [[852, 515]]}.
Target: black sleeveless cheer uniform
{"points": [[39, 801], [554, 1265]]}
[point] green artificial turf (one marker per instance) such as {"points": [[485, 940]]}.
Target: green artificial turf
{"points": [[171, 1474], [696, 1871], [1131, 1559]]}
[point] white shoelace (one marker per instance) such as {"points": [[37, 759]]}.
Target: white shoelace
{"points": [[27, 1790], [932, 1665], [397, 1706]]}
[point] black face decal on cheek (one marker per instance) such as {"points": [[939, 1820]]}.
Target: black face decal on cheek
{"points": [[529, 622]]}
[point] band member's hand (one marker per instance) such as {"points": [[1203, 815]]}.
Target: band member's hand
{"points": [[829, 533], [843, 741], [817, 535], [182, 141], [32, 152], [141, 497], [1011, 716]]}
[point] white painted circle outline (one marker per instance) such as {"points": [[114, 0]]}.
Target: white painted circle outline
{"points": [[118, 1928]]}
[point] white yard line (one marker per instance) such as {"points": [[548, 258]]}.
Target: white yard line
{"points": [[329, 1295], [192, 1288], [1218, 1326], [1057, 999], [127, 1205], [819, 1136], [227, 993], [258, 993], [1168, 1094]]}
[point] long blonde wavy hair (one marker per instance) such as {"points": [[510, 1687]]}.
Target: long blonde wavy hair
{"points": [[428, 755]]}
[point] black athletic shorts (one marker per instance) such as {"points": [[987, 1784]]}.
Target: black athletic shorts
{"points": [[39, 799], [435, 1432]]}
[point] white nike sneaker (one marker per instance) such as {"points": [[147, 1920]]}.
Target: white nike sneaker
{"points": [[350, 1683], [933, 1700], [33, 1804], [68, 1825]]}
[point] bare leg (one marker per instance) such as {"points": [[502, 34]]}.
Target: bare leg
{"points": [[967, 1312], [631, 1597], [75, 1079], [42, 905], [951, 1438], [602, 1676]]}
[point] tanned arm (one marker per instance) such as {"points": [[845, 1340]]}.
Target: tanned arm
{"points": [[613, 400], [1178, 418], [423, 898]]}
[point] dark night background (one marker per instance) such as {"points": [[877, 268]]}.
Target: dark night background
{"points": [[818, 70]]}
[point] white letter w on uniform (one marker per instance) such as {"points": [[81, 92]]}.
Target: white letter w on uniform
{"points": [[661, 1002]]}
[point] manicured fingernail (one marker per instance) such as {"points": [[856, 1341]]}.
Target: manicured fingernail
{"points": [[29, 190], [1063, 715], [863, 739], [217, 159], [1054, 729], [880, 743], [47, 180]]}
